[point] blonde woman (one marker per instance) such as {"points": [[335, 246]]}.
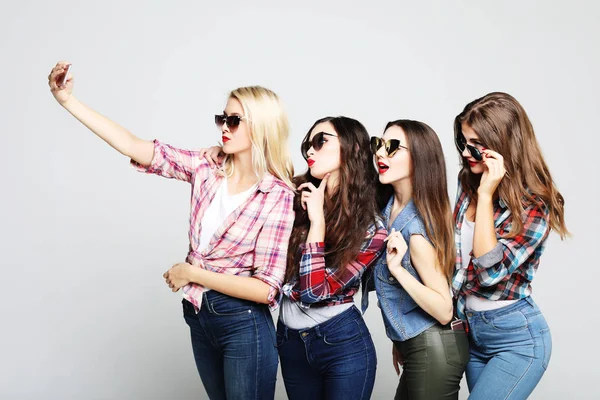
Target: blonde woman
{"points": [[241, 219]]}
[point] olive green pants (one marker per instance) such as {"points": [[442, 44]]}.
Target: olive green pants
{"points": [[434, 362]]}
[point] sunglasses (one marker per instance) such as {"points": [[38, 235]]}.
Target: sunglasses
{"points": [[391, 145], [316, 143], [461, 143], [232, 121]]}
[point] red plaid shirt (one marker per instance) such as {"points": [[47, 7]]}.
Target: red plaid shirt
{"points": [[319, 285], [252, 241], [506, 271]]}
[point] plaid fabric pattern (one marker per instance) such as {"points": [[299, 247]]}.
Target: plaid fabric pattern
{"points": [[319, 285], [506, 272], [252, 241]]}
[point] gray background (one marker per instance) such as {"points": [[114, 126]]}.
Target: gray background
{"points": [[85, 313]]}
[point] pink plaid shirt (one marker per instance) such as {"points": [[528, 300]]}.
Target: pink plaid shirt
{"points": [[252, 241]]}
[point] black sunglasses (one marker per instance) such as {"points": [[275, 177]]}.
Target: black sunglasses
{"points": [[232, 121], [391, 145], [316, 143], [461, 143]]}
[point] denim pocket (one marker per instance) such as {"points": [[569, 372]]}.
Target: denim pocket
{"points": [[230, 306], [547, 341], [343, 334], [407, 303], [511, 322]]}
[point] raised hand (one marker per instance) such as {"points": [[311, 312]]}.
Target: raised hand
{"points": [[493, 174], [396, 248], [61, 92], [313, 198], [213, 155]]}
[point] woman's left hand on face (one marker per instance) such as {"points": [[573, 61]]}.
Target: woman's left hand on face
{"points": [[396, 248], [177, 276], [313, 198], [494, 172]]}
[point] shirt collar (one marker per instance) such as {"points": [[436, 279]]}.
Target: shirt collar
{"points": [[407, 213]]}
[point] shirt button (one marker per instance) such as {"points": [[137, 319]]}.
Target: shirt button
{"points": [[304, 334], [469, 285], [391, 279], [469, 314]]}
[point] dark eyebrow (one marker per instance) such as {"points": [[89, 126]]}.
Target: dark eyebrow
{"points": [[325, 133], [471, 139]]}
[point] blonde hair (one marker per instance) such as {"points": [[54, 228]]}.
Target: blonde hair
{"points": [[269, 133]]}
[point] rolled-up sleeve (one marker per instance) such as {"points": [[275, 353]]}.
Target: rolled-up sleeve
{"points": [[319, 283], [174, 163], [270, 253], [510, 253]]}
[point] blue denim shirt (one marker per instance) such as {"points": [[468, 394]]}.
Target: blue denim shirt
{"points": [[402, 317]]}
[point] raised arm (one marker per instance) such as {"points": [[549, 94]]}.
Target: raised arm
{"points": [[433, 295], [119, 138]]}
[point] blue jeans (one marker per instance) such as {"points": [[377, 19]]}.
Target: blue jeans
{"points": [[333, 360], [234, 347], [510, 350]]}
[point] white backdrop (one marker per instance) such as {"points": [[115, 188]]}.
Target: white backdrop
{"points": [[85, 239]]}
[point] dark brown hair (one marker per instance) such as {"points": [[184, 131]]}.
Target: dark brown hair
{"points": [[350, 210], [503, 126], [430, 189]]}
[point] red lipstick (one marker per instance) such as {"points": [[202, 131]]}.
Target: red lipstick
{"points": [[383, 167]]}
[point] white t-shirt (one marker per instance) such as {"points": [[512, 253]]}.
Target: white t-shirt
{"points": [[466, 241], [295, 317], [219, 209]]}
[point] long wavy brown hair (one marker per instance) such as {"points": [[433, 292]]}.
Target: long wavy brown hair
{"points": [[503, 126], [350, 210], [430, 189]]}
